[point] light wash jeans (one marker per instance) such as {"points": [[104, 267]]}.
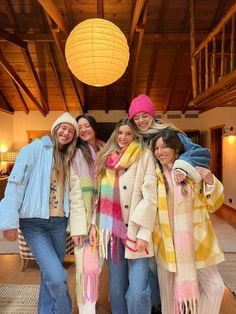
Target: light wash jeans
{"points": [[153, 282], [47, 241], [128, 284]]}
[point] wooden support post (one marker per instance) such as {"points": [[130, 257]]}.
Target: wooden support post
{"points": [[214, 62], [222, 56], [192, 46], [206, 68], [200, 72], [232, 43]]}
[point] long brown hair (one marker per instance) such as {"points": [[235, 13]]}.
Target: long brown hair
{"points": [[112, 145], [171, 139], [62, 157], [84, 146]]}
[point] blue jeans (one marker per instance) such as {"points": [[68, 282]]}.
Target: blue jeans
{"points": [[128, 284], [47, 241], [153, 282]]}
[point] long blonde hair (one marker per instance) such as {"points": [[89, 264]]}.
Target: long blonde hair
{"points": [[62, 157], [112, 145]]}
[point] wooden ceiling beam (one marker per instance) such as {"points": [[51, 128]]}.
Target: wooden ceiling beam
{"points": [[136, 15], [135, 66], [31, 67], [152, 69], [187, 99], [52, 11], [12, 38], [11, 15], [24, 46], [54, 66], [174, 72], [6, 65], [70, 18], [44, 26], [20, 97], [138, 52], [148, 38], [60, 47], [153, 63], [5, 103]]}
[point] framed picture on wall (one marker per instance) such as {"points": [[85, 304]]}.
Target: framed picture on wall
{"points": [[194, 135]]}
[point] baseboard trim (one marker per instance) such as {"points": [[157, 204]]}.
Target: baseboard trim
{"points": [[228, 214], [229, 207]]}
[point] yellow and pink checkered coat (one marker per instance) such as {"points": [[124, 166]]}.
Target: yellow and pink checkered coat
{"points": [[207, 249]]}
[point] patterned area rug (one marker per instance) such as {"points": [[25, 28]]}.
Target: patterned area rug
{"points": [[18, 299]]}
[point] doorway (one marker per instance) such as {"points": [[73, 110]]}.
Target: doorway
{"points": [[216, 134]]}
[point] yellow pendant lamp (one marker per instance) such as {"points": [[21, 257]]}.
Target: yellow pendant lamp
{"points": [[97, 52]]}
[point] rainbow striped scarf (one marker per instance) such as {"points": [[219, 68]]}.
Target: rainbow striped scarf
{"points": [[86, 174], [109, 214]]}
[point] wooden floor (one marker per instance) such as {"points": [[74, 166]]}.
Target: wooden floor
{"points": [[10, 273]]}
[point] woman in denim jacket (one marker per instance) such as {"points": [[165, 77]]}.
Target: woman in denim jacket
{"points": [[38, 197]]}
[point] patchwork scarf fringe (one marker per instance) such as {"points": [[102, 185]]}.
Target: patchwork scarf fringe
{"points": [[186, 307]]}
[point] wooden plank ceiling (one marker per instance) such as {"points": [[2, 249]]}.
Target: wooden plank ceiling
{"points": [[34, 74]]}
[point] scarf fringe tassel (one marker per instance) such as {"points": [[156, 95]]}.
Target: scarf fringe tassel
{"points": [[186, 306], [90, 292]]}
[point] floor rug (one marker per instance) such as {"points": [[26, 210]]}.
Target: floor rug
{"points": [[18, 299], [228, 271], [225, 233]]}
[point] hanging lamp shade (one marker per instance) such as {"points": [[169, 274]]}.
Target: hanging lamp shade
{"points": [[97, 52]]}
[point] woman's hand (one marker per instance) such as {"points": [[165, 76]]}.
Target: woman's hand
{"points": [[78, 240], [179, 176], [10, 235], [206, 175], [141, 245], [93, 237]]}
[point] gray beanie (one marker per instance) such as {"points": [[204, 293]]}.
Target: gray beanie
{"points": [[65, 118]]}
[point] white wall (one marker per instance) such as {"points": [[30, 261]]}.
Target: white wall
{"points": [[13, 134], [6, 131], [6, 135], [227, 117], [36, 121]]}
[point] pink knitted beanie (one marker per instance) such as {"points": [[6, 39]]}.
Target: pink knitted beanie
{"points": [[141, 103]]}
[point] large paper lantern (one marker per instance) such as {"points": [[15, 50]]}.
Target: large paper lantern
{"points": [[97, 52]]}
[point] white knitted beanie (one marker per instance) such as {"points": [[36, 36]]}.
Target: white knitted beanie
{"points": [[65, 118]]}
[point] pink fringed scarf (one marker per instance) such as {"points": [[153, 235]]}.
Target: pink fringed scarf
{"points": [[186, 293], [91, 273]]}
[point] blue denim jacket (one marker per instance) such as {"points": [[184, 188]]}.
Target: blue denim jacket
{"points": [[28, 189], [194, 154]]}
